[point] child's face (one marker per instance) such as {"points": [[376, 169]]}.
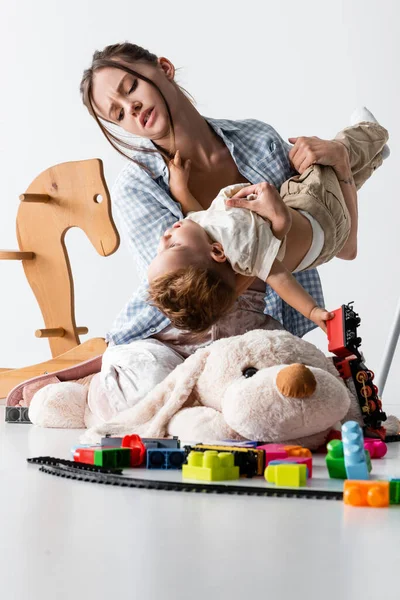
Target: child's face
{"points": [[185, 243]]}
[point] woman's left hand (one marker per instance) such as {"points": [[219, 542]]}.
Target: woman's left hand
{"points": [[309, 151]]}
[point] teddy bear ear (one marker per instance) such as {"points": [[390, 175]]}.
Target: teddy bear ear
{"points": [[175, 392]]}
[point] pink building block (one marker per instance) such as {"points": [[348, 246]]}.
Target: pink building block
{"points": [[296, 459], [273, 452], [376, 448]]}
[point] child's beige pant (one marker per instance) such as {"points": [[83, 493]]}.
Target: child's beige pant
{"points": [[318, 191]]}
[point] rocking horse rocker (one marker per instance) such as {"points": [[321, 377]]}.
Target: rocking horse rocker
{"points": [[72, 194]]}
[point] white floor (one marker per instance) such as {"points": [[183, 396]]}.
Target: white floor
{"points": [[73, 540]]}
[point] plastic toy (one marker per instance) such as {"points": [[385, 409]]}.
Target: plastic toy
{"points": [[173, 442], [376, 448], [335, 460], [298, 451], [137, 449], [371, 493], [210, 466], [344, 343], [71, 194], [165, 458], [366, 493], [17, 414], [299, 460], [356, 459], [394, 491], [104, 457], [249, 460], [286, 475]]}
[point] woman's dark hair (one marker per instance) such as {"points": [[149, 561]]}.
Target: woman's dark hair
{"points": [[110, 57]]}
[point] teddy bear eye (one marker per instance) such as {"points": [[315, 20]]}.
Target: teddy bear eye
{"points": [[249, 372]]}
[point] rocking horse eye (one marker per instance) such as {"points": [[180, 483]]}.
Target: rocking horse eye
{"points": [[249, 372]]}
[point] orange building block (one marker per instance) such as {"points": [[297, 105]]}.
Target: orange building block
{"points": [[366, 493], [298, 451]]}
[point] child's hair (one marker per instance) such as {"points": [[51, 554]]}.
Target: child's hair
{"points": [[193, 298], [110, 57]]}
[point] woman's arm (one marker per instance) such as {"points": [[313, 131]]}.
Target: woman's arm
{"points": [[289, 289]]}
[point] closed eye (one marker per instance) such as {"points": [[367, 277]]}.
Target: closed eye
{"points": [[131, 89]]}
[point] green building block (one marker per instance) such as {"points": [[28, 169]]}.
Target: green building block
{"points": [[210, 466], [394, 491], [335, 460], [117, 458]]}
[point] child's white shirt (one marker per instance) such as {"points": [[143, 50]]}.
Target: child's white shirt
{"points": [[247, 239]]}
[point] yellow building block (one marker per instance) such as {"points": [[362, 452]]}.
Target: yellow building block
{"points": [[289, 475], [210, 466]]}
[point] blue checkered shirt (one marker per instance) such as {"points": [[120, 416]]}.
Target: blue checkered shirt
{"points": [[146, 209]]}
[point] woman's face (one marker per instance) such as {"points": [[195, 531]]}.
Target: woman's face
{"points": [[134, 104]]}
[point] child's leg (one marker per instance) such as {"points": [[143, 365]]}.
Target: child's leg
{"points": [[365, 142]]}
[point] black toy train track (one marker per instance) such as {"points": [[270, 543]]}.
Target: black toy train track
{"points": [[82, 472]]}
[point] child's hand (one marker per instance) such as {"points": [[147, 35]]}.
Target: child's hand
{"points": [[178, 175], [320, 316]]}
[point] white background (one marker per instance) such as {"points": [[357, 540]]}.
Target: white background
{"points": [[300, 66]]}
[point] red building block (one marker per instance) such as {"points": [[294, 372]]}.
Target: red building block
{"points": [[137, 448]]}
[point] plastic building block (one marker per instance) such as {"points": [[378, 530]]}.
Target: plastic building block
{"points": [[335, 460], [356, 459], [249, 460], [137, 449], [104, 457], [298, 451], [273, 452], [291, 475], [366, 493], [17, 414], [394, 491], [299, 460], [242, 444], [165, 458], [173, 442], [210, 466], [111, 442], [376, 448]]}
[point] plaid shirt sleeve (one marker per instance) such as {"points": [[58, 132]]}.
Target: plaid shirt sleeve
{"points": [[144, 215]]}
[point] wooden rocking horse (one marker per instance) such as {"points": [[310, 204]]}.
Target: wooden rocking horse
{"points": [[72, 194]]}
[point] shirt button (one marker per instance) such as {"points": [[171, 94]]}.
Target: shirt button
{"points": [[152, 329], [272, 146]]}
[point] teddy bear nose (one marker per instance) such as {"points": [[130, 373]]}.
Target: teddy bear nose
{"points": [[296, 381]]}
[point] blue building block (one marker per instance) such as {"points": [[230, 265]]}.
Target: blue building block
{"points": [[356, 459], [165, 458]]}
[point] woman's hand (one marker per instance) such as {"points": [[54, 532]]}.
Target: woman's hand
{"points": [[178, 175], [309, 151]]}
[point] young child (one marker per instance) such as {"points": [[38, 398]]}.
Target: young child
{"points": [[193, 277]]}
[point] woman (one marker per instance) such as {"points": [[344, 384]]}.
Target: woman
{"points": [[130, 88]]}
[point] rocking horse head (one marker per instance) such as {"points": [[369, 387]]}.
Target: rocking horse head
{"points": [[74, 194]]}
